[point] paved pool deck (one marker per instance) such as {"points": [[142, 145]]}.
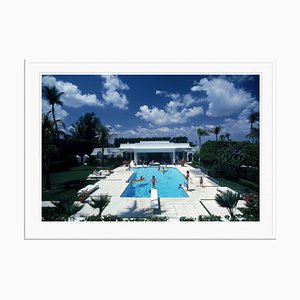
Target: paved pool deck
{"points": [[200, 201]]}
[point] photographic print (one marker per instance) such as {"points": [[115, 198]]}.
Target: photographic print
{"points": [[149, 148]]}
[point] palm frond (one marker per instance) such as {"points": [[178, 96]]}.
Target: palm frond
{"points": [[227, 199]]}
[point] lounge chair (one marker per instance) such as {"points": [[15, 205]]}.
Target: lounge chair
{"points": [[105, 172], [88, 189], [96, 176]]}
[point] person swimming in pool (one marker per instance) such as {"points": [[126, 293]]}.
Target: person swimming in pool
{"points": [[136, 180]]}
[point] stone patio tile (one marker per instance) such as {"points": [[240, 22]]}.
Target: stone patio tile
{"points": [[214, 208]]}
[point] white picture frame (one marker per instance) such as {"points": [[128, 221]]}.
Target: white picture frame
{"points": [[34, 228]]}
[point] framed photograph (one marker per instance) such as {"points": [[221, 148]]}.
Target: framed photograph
{"points": [[137, 150]]}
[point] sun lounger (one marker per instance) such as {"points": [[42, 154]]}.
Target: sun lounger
{"points": [[88, 189], [93, 176], [104, 172], [154, 200], [155, 164]]}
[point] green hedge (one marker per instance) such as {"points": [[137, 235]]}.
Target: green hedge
{"points": [[249, 184], [210, 218], [250, 174], [211, 150]]}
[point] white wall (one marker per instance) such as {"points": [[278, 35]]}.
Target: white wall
{"points": [[149, 31]]}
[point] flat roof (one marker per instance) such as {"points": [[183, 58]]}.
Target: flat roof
{"points": [[155, 145]]}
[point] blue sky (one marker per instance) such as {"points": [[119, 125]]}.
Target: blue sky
{"points": [[159, 105]]}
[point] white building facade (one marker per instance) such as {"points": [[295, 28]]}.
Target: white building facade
{"points": [[161, 151]]}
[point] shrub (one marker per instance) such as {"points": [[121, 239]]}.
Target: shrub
{"points": [[100, 202], [62, 211], [250, 174], [113, 162], [215, 171], [234, 218], [187, 219], [98, 218], [226, 157], [50, 214], [67, 207], [136, 219], [158, 218], [111, 218], [209, 152], [251, 211], [249, 184], [210, 218], [151, 219], [228, 200]]}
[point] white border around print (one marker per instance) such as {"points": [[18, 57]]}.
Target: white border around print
{"points": [[34, 228]]}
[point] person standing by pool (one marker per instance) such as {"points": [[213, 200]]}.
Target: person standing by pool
{"points": [[187, 178], [201, 181], [153, 181]]}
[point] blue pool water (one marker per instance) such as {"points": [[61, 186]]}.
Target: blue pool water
{"points": [[166, 185]]}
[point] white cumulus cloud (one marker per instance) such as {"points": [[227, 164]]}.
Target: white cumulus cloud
{"points": [[178, 110], [60, 113], [72, 96], [223, 98], [112, 94], [161, 117]]}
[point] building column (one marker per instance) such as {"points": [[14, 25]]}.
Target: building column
{"points": [[135, 157], [173, 157]]}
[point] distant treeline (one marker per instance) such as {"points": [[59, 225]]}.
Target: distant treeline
{"points": [[177, 139]]}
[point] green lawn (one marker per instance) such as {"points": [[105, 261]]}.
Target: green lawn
{"points": [[234, 186], [67, 183]]}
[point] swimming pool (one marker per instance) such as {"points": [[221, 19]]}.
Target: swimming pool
{"points": [[166, 185]]}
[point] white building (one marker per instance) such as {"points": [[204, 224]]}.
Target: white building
{"points": [[160, 151], [111, 152]]}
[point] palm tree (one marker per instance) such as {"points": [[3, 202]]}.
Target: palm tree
{"points": [[201, 132], [48, 133], [216, 130], [252, 118], [53, 95], [100, 202], [86, 127], [227, 136], [222, 137], [103, 136], [67, 207], [227, 199], [254, 134]]}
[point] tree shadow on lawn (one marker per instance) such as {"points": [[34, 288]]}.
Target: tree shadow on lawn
{"points": [[72, 185], [135, 212]]}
